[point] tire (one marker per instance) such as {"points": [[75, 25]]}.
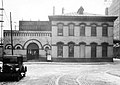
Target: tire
{"points": [[17, 78], [24, 74], [25, 69]]}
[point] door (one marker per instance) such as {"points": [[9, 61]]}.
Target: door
{"points": [[32, 51]]}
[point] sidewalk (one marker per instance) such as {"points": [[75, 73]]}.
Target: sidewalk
{"points": [[69, 63], [73, 63]]}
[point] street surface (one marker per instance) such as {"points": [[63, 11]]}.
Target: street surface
{"points": [[52, 73]]}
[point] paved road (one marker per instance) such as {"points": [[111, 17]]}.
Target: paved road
{"points": [[70, 74]]}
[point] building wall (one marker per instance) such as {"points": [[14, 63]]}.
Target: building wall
{"points": [[88, 39], [24, 38], [114, 9]]}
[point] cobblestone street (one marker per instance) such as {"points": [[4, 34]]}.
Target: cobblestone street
{"points": [[51, 73]]}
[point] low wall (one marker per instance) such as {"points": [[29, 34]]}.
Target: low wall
{"points": [[44, 59]]}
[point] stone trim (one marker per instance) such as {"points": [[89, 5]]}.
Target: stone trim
{"points": [[79, 45], [86, 25]]}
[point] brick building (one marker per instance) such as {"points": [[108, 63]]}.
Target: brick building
{"points": [[114, 9], [31, 40], [77, 36]]}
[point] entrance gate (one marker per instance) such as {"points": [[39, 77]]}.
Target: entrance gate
{"points": [[32, 51]]}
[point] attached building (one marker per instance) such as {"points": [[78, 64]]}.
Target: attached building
{"points": [[81, 36], [77, 36]]}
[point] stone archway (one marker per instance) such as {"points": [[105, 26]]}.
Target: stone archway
{"points": [[32, 51], [32, 41]]}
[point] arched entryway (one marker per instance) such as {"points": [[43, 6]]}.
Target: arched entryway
{"points": [[32, 51]]}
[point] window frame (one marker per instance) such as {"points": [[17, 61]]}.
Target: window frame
{"points": [[93, 30], [60, 29], [60, 48], [71, 54], [71, 29], [94, 50], [82, 30], [104, 50], [105, 30]]}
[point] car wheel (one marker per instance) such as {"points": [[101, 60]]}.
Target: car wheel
{"points": [[18, 78]]}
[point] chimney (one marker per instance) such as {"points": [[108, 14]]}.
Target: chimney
{"points": [[106, 11], [80, 10], [63, 10], [53, 10]]}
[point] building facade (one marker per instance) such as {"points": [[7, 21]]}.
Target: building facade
{"points": [[82, 37], [31, 40], [73, 37], [114, 9]]}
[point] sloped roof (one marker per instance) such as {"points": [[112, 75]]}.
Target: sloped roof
{"points": [[83, 17], [77, 14]]}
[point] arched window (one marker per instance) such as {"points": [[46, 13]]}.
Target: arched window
{"points": [[71, 30], [18, 46], [46, 47], [105, 30], [8, 46], [60, 49], [60, 29], [104, 49], [93, 50], [71, 49], [82, 30], [93, 30]]}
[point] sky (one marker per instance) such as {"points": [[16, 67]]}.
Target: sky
{"points": [[35, 10]]}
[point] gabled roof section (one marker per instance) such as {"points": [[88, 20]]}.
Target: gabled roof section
{"points": [[77, 14]]}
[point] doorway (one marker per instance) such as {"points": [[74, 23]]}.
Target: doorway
{"points": [[32, 51]]}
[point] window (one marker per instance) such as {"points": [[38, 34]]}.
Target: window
{"points": [[82, 49], [18, 46], [82, 30], [46, 47], [60, 49], [104, 30], [93, 50], [93, 30], [8, 46], [104, 49], [60, 29], [71, 49], [71, 30]]}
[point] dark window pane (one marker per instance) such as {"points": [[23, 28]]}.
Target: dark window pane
{"points": [[18, 47], [104, 50], [82, 30], [71, 50], [93, 50], [60, 50], [60, 29], [93, 30], [71, 30], [104, 30]]}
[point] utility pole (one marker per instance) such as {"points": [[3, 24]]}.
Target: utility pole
{"points": [[11, 34], [1, 21]]}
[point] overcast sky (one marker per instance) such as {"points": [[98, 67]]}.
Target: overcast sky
{"points": [[40, 9]]}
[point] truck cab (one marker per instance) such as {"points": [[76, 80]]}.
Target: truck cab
{"points": [[12, 67]]}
